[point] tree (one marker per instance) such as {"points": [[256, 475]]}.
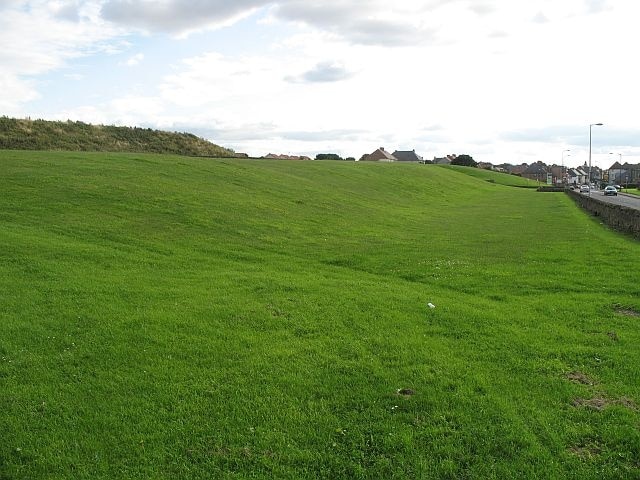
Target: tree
{"points": [[328, 156], [464, 160]]}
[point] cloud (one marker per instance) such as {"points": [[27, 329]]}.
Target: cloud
{"points": [[15, 91], [570, 135], [482, 8], [323, 72], [176, 16], [43, 36], [68, 11], [359, 22], [610, 137], [369, 22], [596, 6], [323, 135], [540, 17], [133, 60]]}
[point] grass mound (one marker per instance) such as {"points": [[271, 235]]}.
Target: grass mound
{"points": [[27, 134], [171, 317]]}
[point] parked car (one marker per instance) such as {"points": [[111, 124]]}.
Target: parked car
{"points": [[584, 188], [610, 190]]}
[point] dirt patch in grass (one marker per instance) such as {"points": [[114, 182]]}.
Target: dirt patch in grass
{"points": [[587, 451], [579, 377], [596, 403], [626, 311], [406, 392], [627, 402], [600, 403], [613, 336]]}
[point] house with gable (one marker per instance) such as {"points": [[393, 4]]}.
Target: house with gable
{"points": [[576, 176], [407, 156], [623, 174], [379, 155], [444, 160]]}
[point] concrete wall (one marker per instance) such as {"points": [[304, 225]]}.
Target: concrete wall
{"points": [[623, 219]]}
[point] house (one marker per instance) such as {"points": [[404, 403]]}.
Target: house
{"points": [[558, 173], [407, 156], [624, 174], [444, 160], [576, 176], [379, 155], [536, 171], [518, 169]]}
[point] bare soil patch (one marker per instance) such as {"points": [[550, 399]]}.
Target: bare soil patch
{"points": [[596, 403], [586, 451], [600, 403], [626, 311], [579, 377], [406, 392], [613, 336]]}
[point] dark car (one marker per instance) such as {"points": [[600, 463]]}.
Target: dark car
{"points": [[610, 190]]}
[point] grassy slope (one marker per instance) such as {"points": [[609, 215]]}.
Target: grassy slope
{"points": [[493, 177], [166, 317]]}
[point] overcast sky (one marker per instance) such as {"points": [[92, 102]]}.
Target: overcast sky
{"points": [[502, 80]]}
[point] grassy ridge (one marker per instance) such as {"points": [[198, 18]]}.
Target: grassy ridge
{"points": [[27, 134], [494, 177], [170, 317]]}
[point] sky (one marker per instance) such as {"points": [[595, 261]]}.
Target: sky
{"points": [[505, 81]]}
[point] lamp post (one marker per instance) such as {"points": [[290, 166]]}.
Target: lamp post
{"points": [[562, 170], [591, 125]]}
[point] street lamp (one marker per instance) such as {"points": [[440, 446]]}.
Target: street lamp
{"points": [[563, 175], [591, 125]]}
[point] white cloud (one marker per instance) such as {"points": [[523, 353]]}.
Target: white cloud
{"points": [[38, 37], [177, 16], [321, 73], [133, 60], [14, 92]]}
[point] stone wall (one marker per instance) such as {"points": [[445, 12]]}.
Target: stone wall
{"points": [[623, 219]]}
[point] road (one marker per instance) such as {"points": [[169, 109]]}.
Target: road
{"points": [[627, 200]]}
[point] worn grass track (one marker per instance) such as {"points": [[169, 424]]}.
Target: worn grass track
{"points": [[171, 317]]}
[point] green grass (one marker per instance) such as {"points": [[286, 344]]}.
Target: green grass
{"points": [[169, 317], [493, 177]]}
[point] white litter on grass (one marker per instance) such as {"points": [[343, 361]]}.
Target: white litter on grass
{"points": [[431, 305]]}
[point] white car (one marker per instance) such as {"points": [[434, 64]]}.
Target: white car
{"points": [[584, 188]]}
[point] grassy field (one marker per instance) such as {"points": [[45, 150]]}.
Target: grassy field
{"points": [[494, 177], [167, 317]]}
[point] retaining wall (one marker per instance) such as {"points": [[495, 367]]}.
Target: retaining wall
{"points": [[623, 219]]}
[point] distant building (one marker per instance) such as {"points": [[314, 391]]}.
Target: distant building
{"points": [[379, 155], [407, 156], [624, 174], [576, 176], [518, 169], [444, 160], [536, 171]]}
